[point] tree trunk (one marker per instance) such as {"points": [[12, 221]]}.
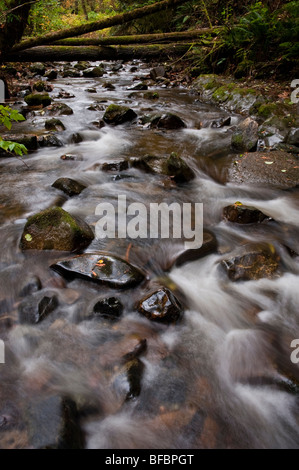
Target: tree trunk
{"points": [[137, 39], [15, 23], [94, 53], [84, 8], [97, 25]]}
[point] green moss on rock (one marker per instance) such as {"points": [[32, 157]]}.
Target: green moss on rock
{"points": [[37, 99]]}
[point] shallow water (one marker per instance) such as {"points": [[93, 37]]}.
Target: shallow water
{"points": [[217, 379]]}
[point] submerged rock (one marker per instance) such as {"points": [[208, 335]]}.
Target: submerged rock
{"points": [[178, 169], [209, 245], [53, 424], [246, 136], [116, 166], [69, 186], [255, 262], [101, 268], [241, 214], [116, 114], [49, 140], [35, 308], [30, 286], [55, 229], [161, 306], [38, 99]]}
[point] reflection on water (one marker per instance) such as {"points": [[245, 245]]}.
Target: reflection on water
{"points": [[218, 379]]}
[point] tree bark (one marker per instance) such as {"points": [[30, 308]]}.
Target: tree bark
{"points": [[15, 23], [94, 53], [97, 25], [137, 39]]}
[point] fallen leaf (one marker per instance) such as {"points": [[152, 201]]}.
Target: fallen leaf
{"points": [[269, 163]]}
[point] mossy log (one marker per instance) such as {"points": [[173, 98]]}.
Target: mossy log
{"points": [[138, 38], [94, 53], [97, 25]]}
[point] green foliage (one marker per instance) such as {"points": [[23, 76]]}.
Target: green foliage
{"points": [[7, 115]]}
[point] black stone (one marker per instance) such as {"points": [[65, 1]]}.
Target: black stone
{"points": [[161, 306]]}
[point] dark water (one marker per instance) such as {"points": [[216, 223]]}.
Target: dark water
{"points": [[219, 378]]}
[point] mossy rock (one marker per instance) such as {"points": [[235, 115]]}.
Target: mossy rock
{"points": [[69, 186], [178, 169], [38, 68], [39, 86], [54, 124], [55, 229], [38, 99], [94, 72], [246, 136], [267, 109], [151, 95], [116, 114]]}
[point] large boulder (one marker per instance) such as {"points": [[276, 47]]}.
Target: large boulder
{"points": [[246, 136], [161, 306], [116, 114], [100, 268], [38, 99], [252, 263], [55, 229], [276, 169], [94, 72]]}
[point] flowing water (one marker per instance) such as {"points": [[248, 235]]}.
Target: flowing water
{"points": [[220, 378]]}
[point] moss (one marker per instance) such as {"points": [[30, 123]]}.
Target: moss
{"points": [[265, 110], [221, 94], [36, 99]]}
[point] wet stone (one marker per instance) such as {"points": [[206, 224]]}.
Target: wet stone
{"points": [[158, 71], [128, 380], [53, 424], [55, 229], [69, 186], [30, 286], [168, 121], [71, 73], [100, 268], [116, 114], [54, 125], [209, 245], [29, 140], [108, 86], [161, 306], [116, 166], [39, 86], [76, 138], [93, 72], [178, 169], [253, 263], [38, 68], [49, 140], [245, 137], [35, 308], [70, 157], [138, 86], [109, 308], [241, 214], [59, 109], [51, 74]]}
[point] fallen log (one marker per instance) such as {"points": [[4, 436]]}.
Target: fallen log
{"points": [[97, 25], [94, 53], [138, 38]]}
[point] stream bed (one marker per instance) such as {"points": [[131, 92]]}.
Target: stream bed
{"points": [[221, 376]]}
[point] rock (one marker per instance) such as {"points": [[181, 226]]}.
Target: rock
{"points": [[128, 380], [54, 125], [168, 121], [38, 68], [49, 140], [222, 122], [151, 95], [30, 286], [108, 86], [51, 74], [178, 169], [209, 245], [241, 214], [65, 95], [93, 72], [157, 72], [293, 137], [91, 90], [149, 163], [116, 166], [109, 308], [101, 268], [76, 138], [53, 424], [29, 140], [69, 157], [138, 86], [117, 67], [246, 136], [69, 186], [39, 86], [55, 229], [99, 124], [71, 73], [253, 263], [116, 114], [59, 109], [138, 350], [161, 306], [35, 308], [82, 65], [276, 169], [38, 99]]}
